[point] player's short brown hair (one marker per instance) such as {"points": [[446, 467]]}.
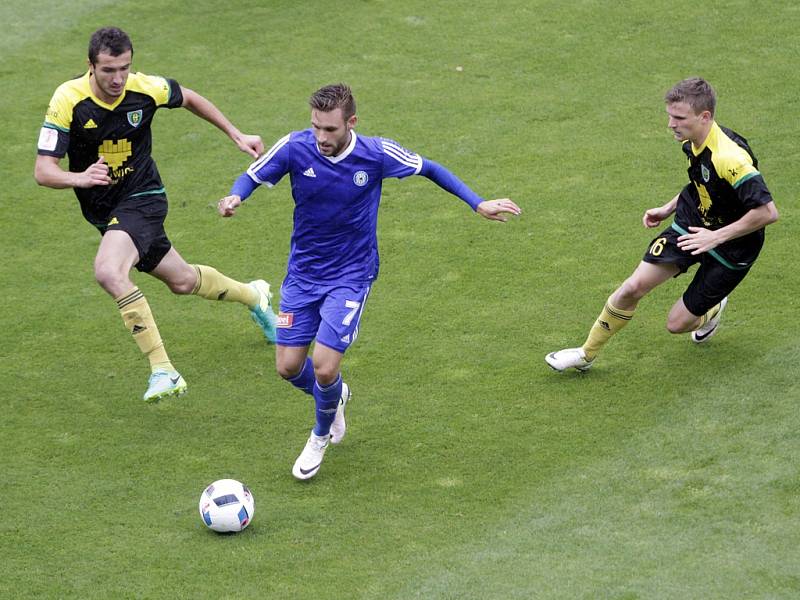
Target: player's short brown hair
{"points": [[696, 92], [331, 97]]}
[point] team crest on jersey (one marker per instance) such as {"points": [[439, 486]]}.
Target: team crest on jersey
{"points": [[705, 173], [285, 320], [360, 178], [135, 117]]}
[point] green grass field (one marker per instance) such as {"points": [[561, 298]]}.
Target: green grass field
{"points": [[470, 469]]}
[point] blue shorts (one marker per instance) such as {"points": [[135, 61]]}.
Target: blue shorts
{"points": [[328, 313]]}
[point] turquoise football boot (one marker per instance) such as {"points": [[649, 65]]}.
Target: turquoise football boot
{"points": [[262, 312]]}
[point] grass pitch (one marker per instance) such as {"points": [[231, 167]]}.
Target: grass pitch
{"points": [[470, 470]]}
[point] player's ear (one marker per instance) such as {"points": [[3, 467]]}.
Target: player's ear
{"points": [[351, 122]]}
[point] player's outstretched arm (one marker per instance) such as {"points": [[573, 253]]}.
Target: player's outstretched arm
{"points": [[498, 210], [204, 108], [48, 172]]}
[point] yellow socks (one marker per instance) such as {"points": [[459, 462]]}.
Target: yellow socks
{"points": [[139, 321], [610, 321], [712, 312], [213, 285]]}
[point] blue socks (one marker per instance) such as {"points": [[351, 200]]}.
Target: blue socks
{"points": [[326, 400], [304, 380]]}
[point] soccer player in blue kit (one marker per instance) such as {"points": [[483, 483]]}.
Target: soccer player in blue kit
{"points": [[336, 179]]}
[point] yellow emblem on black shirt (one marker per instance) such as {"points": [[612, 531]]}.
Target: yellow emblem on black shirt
{"points": [[115, 153]]}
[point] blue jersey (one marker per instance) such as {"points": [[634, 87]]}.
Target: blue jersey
{"points": [[336, 202]]}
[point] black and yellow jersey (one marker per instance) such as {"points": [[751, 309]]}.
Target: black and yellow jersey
{"points": [[724, 184], [84, 127]]}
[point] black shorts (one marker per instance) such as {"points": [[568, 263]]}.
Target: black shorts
{"points": [[142, 218], [712, 281]]}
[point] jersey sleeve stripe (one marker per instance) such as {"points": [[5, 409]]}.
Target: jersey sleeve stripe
{"points": [[256, 180], [745, 178], [51, 125], [388, 145], [260, 162], [413, 160]]}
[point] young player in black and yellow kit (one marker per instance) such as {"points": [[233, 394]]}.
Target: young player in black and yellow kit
{"points": [[101, 121], [719, 223]]}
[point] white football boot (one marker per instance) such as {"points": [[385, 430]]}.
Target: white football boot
{"points": [[310, 459], [570, 358], [164, 383], [338, 427], [707, 331]]}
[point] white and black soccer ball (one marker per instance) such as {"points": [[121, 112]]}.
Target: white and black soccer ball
{"points": [[227, 505]]}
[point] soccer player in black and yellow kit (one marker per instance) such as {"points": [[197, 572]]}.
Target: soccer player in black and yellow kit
{"points": [[101, 121], [719, 223]]}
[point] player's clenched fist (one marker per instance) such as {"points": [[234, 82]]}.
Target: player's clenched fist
{"points": [[227, 206], [96, 174]]}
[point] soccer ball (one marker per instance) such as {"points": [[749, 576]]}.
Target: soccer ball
{"points": [[227, 505]]}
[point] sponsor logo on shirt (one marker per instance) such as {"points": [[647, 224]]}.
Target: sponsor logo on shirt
{"points": [[309, 172], [285, 320], [115, 154]]}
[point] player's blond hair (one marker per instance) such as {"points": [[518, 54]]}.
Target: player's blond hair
{"points": [[696, 92], [331, 97]]}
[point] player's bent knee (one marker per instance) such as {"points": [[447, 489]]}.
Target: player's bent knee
{"points": [[673, 328], [680, 326], [112, 280], [181, 287], [326, 374], [287, 370], [633, 290]]}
